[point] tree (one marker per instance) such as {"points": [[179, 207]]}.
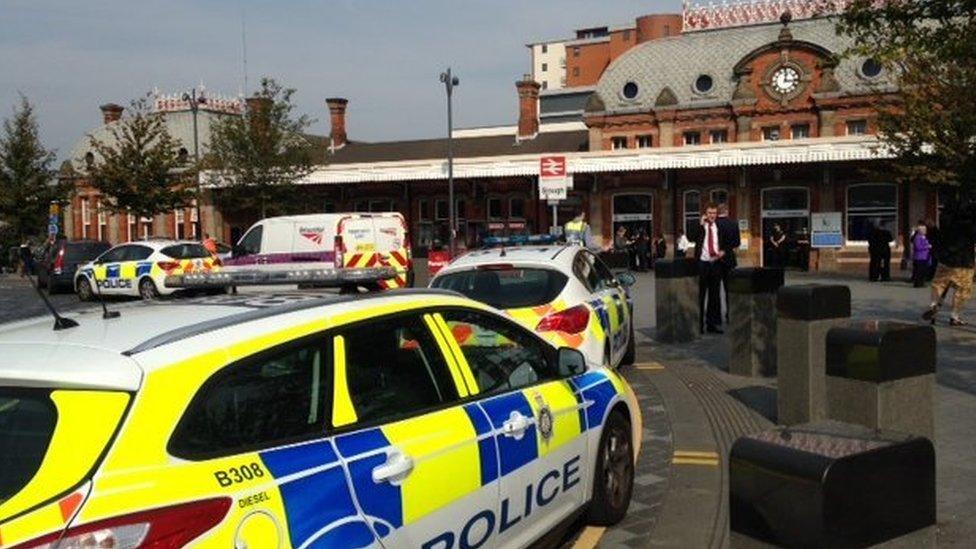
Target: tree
{"points": [[27, 185], [256, 159], [138, 168], [927, 47]]}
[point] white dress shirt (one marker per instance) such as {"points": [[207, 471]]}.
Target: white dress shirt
{"points": [[711, 231]]}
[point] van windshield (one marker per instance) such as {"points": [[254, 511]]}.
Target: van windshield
{"points": [[41, 455]]}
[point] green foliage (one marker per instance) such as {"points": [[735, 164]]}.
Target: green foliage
{"points": [[255, 160], [928, 47], [27, 183], [138, 169]]}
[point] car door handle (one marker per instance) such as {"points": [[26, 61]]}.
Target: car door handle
{"points": [[516, 425], [398, 465]]}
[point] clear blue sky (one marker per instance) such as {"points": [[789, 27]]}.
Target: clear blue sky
{"points": [[70, 56]]}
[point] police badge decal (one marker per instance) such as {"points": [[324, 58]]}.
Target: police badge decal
{"points": [[544, 421]]}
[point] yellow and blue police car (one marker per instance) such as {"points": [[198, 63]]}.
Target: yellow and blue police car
{"points": [[304, 421], [564, 292], [140, 268]]}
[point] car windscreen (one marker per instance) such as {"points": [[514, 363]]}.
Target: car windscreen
{"points": [[185, 251], [27, 421], [83, 251], [505, 287]]}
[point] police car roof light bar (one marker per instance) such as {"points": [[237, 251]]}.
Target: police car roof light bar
{"points": [[520, 240], [60, 322]]}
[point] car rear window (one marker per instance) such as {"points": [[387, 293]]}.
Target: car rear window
{"points": [[83, 251], [506, 287], [185, 251], [27, 421]]}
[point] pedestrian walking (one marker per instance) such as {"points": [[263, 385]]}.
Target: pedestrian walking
{"points": [[956, 249], [710, 248], [921, 252], [879, 250], [728, 229], [777, 248]]}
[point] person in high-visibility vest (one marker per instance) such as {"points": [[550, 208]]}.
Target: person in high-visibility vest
{"points": [[578, 232]]}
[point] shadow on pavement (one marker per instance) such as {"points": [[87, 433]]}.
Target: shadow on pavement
{"points": [[759, 398]]}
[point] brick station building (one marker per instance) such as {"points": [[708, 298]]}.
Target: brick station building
{"points": [[738, 107]]}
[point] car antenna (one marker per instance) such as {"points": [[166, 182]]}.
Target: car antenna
{"points": [[60, 322], [98, 291]]}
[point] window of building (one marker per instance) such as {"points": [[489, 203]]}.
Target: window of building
{"points": [[630, 90], [147, 227], [494, 208], [857, 127], [545, 67], [770, 133], [545, 84], [692, 212], [516, 207], [545, 48], [440, 209], [266, 400], [719, 196], [131, 228], [423, 210], [644, 141], [460, 208], [667, 30], [102, 217], [692, 138], [178, 221], [576, 51], [562, 81], [89, 159], [394, 369], [799, 131], [870, 68], [503, 357], [871, 205], [85, 218], [194, 220], [719, 136], [704, 83], [618, 142], [627, 35], [576, 71]]}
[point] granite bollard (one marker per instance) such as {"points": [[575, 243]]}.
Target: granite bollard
{"points": [[831, 484], [882, 375], [752, 321], [676, 300], [805, 314]]}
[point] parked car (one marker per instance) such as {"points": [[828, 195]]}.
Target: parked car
{"points": [[340, 241], [56, 266]]}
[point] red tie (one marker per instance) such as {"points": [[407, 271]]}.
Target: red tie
{"points": [[711, 246]]}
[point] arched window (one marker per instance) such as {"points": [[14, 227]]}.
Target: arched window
{"points": [[692, 210], [719, 196], [870, 205]]}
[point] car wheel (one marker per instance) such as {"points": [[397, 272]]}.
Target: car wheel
{"points": [[147, 289], [631, 353], [613, 479], [84, 290]]}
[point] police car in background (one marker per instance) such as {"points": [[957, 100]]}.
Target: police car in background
{"points": [[564, 292], [140, 268], [305, 421]]}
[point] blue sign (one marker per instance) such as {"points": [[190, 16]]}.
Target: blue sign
{"points": [[52, 228], [827, 240]]}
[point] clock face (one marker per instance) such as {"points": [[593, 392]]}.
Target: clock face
{"points": [[785, 80]]}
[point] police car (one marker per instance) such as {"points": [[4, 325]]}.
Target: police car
{"points": [[140, 268], [298, 421], [564, 292]]}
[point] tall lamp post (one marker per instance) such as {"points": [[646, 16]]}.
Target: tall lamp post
{"points": [[195, 100], [450, 81]]}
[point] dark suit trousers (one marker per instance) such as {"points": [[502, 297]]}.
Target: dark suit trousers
{"points": [[709, 301]]}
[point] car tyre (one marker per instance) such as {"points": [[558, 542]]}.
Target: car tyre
{"points": [[84, 290], [147, 289], [631, 354], [613, 479]]}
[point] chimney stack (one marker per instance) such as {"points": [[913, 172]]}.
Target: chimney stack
{"points": [[528, 92], [337, 112], [111, 112]]}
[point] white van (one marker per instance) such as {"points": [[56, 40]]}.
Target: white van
{"points": [[340, 240]]}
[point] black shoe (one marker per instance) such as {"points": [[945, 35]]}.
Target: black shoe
{"points": [[957, 322], [714, 330], [930, 314]]}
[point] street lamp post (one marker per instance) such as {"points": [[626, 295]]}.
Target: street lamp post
{"points": [[195, 101], [450, 81]]}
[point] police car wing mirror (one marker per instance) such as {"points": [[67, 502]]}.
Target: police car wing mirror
{"points": [[571, 362], [626, 279]]}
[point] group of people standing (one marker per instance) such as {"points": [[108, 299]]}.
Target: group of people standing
{"points": [[641, 249]]}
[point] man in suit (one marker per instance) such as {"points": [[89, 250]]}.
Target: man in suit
{"points": [[879, 250], [728, 233], [710, 249]]}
